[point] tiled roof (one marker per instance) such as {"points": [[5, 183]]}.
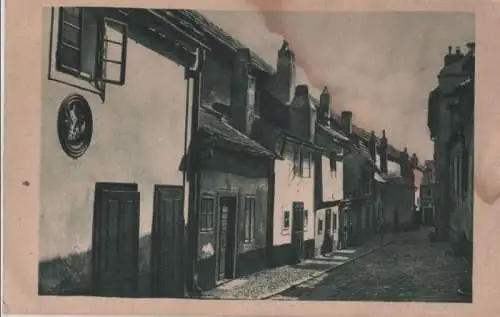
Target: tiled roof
{"points": [[361, 148], [222, 134], [336, 134], [196, 23], [202, 28], [393, 178]]}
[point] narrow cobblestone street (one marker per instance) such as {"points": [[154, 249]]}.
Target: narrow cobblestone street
{"points": [[409, 269]]}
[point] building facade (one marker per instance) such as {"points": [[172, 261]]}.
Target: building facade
{"points": [[451, 126], [328, 177], [112, 147], [427, 205], [395, 189]]}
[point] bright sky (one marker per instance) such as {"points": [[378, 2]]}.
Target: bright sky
{"points": [[380, 65]]}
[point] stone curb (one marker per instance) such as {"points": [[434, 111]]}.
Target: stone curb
{"points": [[301, 281]]}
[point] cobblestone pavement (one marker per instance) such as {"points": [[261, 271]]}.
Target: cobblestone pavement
{"points": [[409, 269], [265, 283]]}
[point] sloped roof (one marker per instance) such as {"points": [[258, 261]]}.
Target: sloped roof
{"points": [[194, 22], [222, 134], [393, 178], [198, 25], [361, 148], [336, 134]]}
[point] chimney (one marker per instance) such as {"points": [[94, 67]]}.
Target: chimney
{"points": [[241, 111], [448, 59], [404, 162], [303, 114], [383, 152], [324, 106], [472, 48], [372, 146], [414, 160], [285, 73], [346, 122]]}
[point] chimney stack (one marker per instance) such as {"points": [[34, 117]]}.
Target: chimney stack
{"points": [[346, 122], [414, 160], [242, 112], [303, 114], [324, 106], [448, 59], [372, 146], [285, 73], [383, 152]]}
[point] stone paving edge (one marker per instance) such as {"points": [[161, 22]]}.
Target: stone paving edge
{"points": [[302, 281]]}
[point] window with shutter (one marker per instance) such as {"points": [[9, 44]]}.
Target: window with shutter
{"points": [[87, 44]]}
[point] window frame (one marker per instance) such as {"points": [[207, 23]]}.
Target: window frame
{"points": [[305, 213], [252, 90], [249, 210], [297, 160], [333, 161], [306, 161], [205, 213], [99, 61], [320, 226], [286, 220]]}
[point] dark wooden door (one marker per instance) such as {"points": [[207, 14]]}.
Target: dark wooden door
{"points": [[428, 216], [167, 242], [298, 230], [396, 220], [226, 238], [328, 230], [117, 243]]}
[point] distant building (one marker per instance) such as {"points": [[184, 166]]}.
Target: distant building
{"points": [[427, 204], [451, 126], [395, 189]]}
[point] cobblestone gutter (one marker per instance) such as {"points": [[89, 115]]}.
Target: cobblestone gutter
{"points": [[267, 283]]}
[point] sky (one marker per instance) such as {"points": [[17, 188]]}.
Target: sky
{"points": [[379, 65]]}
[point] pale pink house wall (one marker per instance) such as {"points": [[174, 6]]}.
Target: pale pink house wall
{"points": [[138, 137], [288, 189]]}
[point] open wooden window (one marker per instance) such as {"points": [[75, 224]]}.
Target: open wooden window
{"points": [[114, 53], [91, 48], [77, 50]]}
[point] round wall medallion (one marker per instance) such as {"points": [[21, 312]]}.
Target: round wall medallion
{"points": [[74, 125]]}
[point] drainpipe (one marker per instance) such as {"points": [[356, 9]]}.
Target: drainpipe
{"points": [[195, 74]]}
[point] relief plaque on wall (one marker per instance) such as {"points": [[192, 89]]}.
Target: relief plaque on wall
{"points": [[74, 125]]}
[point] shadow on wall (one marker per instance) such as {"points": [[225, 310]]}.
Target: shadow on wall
{"points": [[72, 275]]}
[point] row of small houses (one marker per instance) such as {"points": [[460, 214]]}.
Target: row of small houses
{"points": [[173, 158]]}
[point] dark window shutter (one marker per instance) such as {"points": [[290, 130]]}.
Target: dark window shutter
{"points": [[70, 40]]}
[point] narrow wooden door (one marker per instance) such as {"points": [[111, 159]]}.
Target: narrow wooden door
{"points": [[298, 230], [117, 243], [222, 241], [167, 242], [226, 238], [328, 229]]}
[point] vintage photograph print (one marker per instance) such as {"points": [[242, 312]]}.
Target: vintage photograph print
{"points": [[257, 155]]}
